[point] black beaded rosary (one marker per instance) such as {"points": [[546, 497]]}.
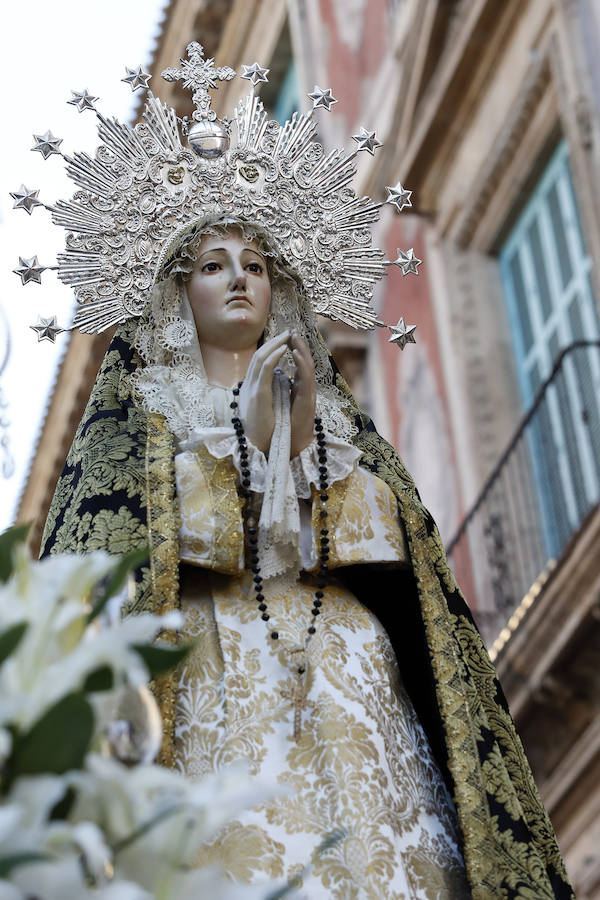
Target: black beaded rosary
{"points": [[298, 696]]}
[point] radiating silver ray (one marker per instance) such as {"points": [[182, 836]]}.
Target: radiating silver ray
{"points": [[79, 267], [299, 137], [359, 209], [72, 216], [121, 139], [341, 174], [343, 308], [97, 316], [255, 125], [363, 253], [244, 116], [90, 175], [163, 121], [327, 163], [342, 181]]}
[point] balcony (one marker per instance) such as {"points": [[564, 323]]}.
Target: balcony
{"points": [[543, 491]]}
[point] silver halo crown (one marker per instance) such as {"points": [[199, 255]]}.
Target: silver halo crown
{"points": [[143, 187]]}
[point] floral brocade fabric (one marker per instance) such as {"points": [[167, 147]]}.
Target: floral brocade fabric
{"points": [[117, 491], [359, 762]]}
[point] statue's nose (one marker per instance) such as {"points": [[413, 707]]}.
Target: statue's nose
{"points": [[238, 282]]}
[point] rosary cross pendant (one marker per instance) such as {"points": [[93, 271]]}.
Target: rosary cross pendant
{"points": [[298, 695]]}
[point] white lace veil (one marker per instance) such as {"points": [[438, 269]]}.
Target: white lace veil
{"points": [[173, 380]]}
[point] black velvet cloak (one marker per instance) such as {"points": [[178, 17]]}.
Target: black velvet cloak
{"points": [[117, 492]]}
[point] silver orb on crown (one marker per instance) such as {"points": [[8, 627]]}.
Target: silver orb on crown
{"points": [[208, 140]]}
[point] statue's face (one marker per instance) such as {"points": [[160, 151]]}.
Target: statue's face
{"points": [[229, 291]]}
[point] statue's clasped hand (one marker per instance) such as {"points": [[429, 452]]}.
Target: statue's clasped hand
{"points": [[256, 394]]}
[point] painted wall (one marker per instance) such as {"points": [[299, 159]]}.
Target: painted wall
{"points": [[406, 389]]}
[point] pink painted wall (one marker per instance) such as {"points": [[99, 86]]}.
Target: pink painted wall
{"points": [[356, 42], [354, 34]]}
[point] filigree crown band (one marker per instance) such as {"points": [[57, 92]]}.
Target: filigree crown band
{"points": [[143, 187]]}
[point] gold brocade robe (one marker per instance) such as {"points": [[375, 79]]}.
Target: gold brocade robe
{"points": [[117, 492], [341, 736]]}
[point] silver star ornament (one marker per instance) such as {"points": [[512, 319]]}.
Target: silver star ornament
{"points": [[322, 98], [398, 196], [25, 199], [137, 79], [402, 334], [408, 262], [29, 270], [255, 73], [47, 329], [82, 100], [46, 144], [366, 140]]}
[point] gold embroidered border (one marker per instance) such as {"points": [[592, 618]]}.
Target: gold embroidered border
{"points": [[226, 507], [163, 539], [451, 689], [336, 494], [463, 756]]}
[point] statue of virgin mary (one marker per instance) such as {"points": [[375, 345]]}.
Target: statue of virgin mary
{"points": [[332, 648]]}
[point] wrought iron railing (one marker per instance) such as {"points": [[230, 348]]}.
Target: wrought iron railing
{"points": [[543, 487]]}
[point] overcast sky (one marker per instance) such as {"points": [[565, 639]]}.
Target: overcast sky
{"points": [[48, 49]]}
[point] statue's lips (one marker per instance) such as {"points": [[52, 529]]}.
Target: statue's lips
{"points": [[239, 298]]}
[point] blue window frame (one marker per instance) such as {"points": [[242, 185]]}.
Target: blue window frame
{"points": [[546, 276]]}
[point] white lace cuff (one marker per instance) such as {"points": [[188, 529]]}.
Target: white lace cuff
{"points": [[222, 442], [342, 459]]}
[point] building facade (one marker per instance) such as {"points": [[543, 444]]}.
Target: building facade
{"points": [[490, 113]]}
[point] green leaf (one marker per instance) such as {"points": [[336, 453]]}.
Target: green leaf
{"points": [[161, 659], [118, 576], [9, 539], [100, 679], [8, 863], [10, 639], [58, 741]]}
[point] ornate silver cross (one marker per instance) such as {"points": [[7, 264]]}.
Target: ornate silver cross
{"points": [[199, 74]]}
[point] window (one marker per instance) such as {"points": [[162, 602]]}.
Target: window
{"points": [[286, 102], [546, 276], [280, 94]]}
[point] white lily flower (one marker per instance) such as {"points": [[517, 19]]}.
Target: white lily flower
{"points": [[65, 575], [111, 647], [65, 878], [57, 878], [10, 892], [209, 882], [89, 840], [146, 790], [10, 816], [35, 797], [5, 744], [49, 596], [25, 827], [46, 666], [127, 890], [51, 582], [132, 833], [184, 815]]}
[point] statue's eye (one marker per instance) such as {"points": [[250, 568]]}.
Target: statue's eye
{"points": [[255, 267], [210, 267]]}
